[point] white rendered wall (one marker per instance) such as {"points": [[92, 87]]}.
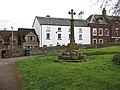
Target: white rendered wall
{"points": [[41, 32], [54, 35], [64, 35], [85, 35], [38, 28]]}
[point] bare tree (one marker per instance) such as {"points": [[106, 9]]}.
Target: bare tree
{"points": [[112, 5]]}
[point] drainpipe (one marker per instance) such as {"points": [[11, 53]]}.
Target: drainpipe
{"points": [[41, 36]]}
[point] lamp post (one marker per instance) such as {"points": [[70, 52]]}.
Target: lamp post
{"points": [[12, 39]]}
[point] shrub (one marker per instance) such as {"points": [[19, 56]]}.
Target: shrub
{"points": [[116, 58]]}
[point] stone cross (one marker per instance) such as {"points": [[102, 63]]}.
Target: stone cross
{"points": [[72, 13], [72, 40]]}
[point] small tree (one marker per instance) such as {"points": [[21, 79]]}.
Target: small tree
{"points": [[116, 58], [112, 5]]}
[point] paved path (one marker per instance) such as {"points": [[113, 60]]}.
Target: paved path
{"points": [[9, 79]]}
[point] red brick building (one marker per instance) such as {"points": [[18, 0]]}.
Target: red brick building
{"points": [[104, 28]]}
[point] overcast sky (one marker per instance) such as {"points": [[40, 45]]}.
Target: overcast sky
{"points": [[21, 13]]}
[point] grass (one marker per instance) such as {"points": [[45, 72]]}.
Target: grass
{"points": [[100, 73], [106, 50]]}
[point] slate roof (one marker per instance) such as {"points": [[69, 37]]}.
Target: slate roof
{"points": [[113, 18], [24, 31], [7, 34], [97, 19], [60, 21]]}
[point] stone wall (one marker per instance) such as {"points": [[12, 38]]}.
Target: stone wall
{"points": [[35, 51], [43, 50]]}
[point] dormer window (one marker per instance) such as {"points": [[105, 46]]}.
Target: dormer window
{"points": [[100, 20]]}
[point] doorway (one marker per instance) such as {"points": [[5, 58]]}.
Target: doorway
{"points": [[3, 52]]}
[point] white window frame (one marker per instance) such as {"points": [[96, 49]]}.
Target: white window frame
{"points": [[80, 30], [47, 29], [47, 37], [94, 31], [116, 31], [80, 37], [100, 29], [100, 40], [93, 41], [106, 32], [60, 38], [59, 29]]}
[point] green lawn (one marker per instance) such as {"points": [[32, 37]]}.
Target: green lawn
{"points": [[100, 73]]}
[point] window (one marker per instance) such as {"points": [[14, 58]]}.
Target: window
{"points": [[94, 32], [59, 37], [59, 30], [48, 29], [80, 36], [48, 36], [100, 41], [94, 41], [0, 41], [69, 36], [106, 32], [31, 38], [117, 31], [116, 40], [100, 32], [80, 30], [14, 41]]}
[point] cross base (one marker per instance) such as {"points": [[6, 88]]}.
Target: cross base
{"points": [[72, 46]]}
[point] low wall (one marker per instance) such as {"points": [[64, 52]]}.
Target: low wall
{"points": [[42, 50]]}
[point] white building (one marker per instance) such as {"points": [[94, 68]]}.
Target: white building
{"points": [[56, 31]]}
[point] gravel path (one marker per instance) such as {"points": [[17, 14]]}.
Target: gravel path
{"points": [[9, 78]]}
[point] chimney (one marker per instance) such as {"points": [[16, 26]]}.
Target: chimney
{"points": [[81, 15], [104, 12], [47, 15]]}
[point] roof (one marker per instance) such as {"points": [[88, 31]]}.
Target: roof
{"points": [[113, 17], [7, 34], [97, 19], [24, 31], [60, 21]]}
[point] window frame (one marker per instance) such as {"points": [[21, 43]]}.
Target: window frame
{"points": [[59, 36], [106, 32], [100, 41], [93, 41], [47, 36], [94, 31], [100, 31], [80, 37]]}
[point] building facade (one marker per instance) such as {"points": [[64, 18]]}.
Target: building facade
{"points": [[104, 29], [56, 31], [28, 38]]}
